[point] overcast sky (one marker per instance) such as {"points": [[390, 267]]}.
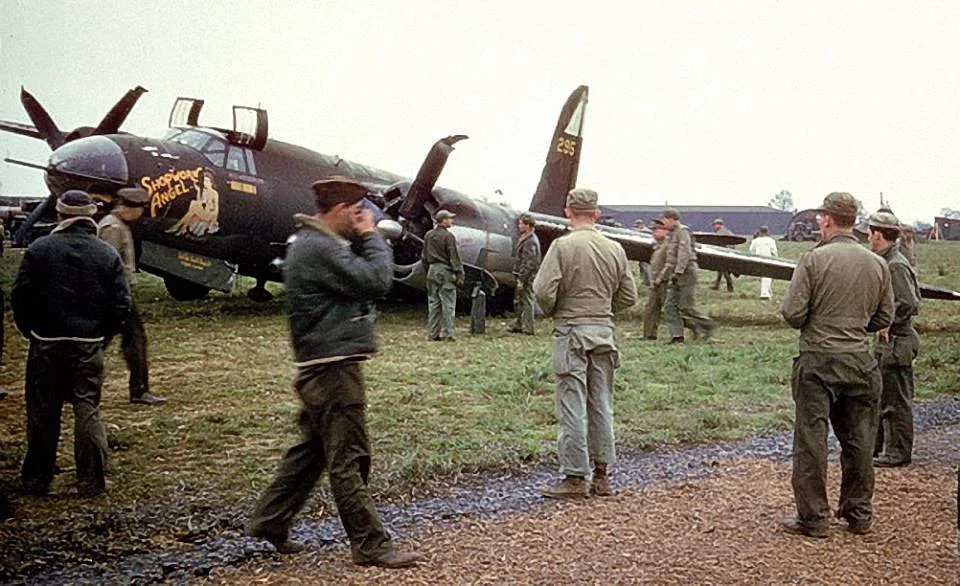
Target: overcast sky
{"points": [[722, 103]]}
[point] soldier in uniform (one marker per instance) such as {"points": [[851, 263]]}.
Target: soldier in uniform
{"points": [[336, 268], [69, 299], [908, 244], [115, 230], [719, 227], [657, 293], [839, 293], [527, 252], [583, 280], [645, 273], [679, 274], [896, 347], [444, 274]]}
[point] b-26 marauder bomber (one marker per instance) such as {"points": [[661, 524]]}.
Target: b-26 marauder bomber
{"points": [[222, 200]]}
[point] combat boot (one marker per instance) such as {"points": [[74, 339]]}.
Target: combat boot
{"points": [[600, 484], [571, 487]]}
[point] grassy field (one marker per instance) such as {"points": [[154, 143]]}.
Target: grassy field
{"points": [[435, 410]]}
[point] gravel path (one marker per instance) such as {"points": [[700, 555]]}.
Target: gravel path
{"points": [[679, 513]]}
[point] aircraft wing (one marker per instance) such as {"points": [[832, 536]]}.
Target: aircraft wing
{"points": [[718, 239], [18, 128], [639, 246]]}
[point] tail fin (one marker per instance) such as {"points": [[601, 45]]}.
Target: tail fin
{"points": [[563, 159]]}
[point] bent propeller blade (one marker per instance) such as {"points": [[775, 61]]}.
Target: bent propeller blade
{"points": [[41, 120], [115, 117]]}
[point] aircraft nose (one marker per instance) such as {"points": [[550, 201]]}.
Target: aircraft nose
{"points": [[94, 157]]}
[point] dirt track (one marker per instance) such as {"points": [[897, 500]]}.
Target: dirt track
{"points": [[718, 530]]}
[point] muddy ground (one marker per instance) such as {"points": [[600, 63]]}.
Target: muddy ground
{"points": [[704, 514]]}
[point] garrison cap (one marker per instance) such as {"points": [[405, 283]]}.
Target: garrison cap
{"points": [[443, 215], [884, 219], [671, 213], [582, 199], [136, 196], [839, 203], [718, 221], [335, 190]]}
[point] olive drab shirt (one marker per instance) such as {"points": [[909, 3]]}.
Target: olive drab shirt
{"points": [[840, 291], [680, 254], [528, 258], [659, 257], [906, 291], [440, 247], [584, 279], [117, 234]]}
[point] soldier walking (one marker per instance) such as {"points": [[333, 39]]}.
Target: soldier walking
{"points": [[679, 273], [527, 252], [764, 245], [336, 268], [444, 274], [115, 230], [583, 280], [657, 292], [838, 294], [896, 347]]}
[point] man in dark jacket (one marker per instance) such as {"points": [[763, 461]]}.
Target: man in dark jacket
{"points": [[69, 299], [444, 274], [336, 267], [527, 253]]}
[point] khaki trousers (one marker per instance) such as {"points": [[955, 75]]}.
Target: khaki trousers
{"points": [[441, 301], [584, 360], [842, 390]]}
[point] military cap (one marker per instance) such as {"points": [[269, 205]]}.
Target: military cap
{"points": [[656, 223], [671, 213], [718, 221], [443, 215], [135, 196], [528, 220], [839, 203], [335, 190], [884, 219], [639, 222], [75, 202], [582, 199]]}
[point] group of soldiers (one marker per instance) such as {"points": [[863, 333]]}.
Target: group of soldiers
{"points": [[72, 296]]}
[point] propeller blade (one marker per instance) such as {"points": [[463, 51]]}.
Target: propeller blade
{"points": [[41, 120], [115, 117]]}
